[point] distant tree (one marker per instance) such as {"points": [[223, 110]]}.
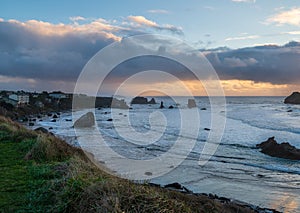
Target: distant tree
{"points": [[7, 106]]}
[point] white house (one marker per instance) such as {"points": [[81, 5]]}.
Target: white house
{"points": [[21, 99]]}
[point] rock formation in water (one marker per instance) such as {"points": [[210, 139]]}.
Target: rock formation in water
{"points": [[191, 103], [294, 98], [87, 120], [161, 105], [283, 150], [120, 104], [142, 100]]}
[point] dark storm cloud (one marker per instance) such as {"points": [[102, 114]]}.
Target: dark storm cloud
{"points": [[27, 53], [274, 64], [44, 51]]}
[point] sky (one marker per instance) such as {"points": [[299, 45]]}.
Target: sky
{"points": [[252, 44]]}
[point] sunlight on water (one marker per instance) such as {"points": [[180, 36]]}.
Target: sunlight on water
{"points": [[286, 203]]}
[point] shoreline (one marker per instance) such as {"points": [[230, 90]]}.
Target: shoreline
{"points": [[182, 188]]}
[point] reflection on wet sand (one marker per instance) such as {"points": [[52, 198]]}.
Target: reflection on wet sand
{"points": [[287, 203]]}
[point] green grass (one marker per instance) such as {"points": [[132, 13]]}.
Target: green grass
{"points": [[41, 173]]}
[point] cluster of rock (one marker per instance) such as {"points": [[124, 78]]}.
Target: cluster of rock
{"points": [[283, 150], [87, 102], [142, 100], [234, 203]]}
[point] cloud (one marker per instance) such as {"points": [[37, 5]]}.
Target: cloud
{"points": [[52, 53], [158, 11], [242, 38], [141, 21], [292, 33], [99, 26], [77, 18], [237, 62], [36, 54], [244, 1], [209, 7], [269, 63], [291, 17]]}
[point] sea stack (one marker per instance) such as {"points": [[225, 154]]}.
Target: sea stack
{"points": [[191, 103], [87, 120], [294, 98], [161, 105], [283, 150], [142, 100]]}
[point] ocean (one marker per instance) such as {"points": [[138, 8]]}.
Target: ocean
{"points": [[236, 170]]}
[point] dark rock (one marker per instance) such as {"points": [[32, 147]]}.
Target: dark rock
{"points": [[139, 100], [87, 120], [142, 100], [152, 101], [54, 116], [148, 173], [58, 113], [31, 124], [171, 107], [178, 187], [40, 120], [34, 119], [283, 150], [39, 116], [50, 128], [294, 98], [174, 185], [110, 119], [41, 129], [290, 110], [53, 120], [68, 119], [154, 185], [49, 114], [203, 108], [120, 104], [207, 129], [191, 103], [161, 105]]}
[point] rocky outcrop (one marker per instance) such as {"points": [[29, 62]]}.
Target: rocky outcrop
{"points": [[41, 129], [87, 120], [177, 187], [293, 98], [152, 101], [283, 150], [142, 100], [191, 103], [161, 105], [120, 104]]}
